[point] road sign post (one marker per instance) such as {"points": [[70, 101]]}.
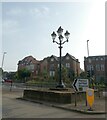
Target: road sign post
{"points": [[75, 98], [80, 85]]}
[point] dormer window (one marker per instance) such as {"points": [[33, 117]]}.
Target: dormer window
{"points": [[102, 58], [52, 59], [67, 65], [67, 58], [96, 58]]}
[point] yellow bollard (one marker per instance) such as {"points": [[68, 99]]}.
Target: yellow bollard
{"points": [[90, 97]]}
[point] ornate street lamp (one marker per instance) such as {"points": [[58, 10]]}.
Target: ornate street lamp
{"points": [[60, 43]]}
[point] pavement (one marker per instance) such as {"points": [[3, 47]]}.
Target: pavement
{"points": [[99, 106]]}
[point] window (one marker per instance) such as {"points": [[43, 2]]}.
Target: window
{"points": [[52, 73], [96, 58], [90, 67], [25, 60], [68, 65], [30, 67], [98, 67], [102, 67], [61, 65]]}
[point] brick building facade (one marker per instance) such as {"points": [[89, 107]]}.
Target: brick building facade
{"points": [[31, 64], [97, 65], [50, 64]]}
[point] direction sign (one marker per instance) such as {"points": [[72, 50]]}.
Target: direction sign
{"points": [[80, 84], [75, 85]]}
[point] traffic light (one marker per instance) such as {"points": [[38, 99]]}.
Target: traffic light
{"points": [[88, 73], [92, 72]]}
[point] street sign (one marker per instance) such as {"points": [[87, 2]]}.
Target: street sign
{"points": [[75, 85], [80, 84]]}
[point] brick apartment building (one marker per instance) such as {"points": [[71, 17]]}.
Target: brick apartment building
{"points": [[97, 65], [31, 64], [50, 64]]}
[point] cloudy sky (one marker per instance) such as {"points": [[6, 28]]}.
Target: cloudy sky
{"points": [[27, 28]]}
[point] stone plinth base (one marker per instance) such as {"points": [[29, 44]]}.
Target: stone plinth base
{"points": [[57, 95], [59, 89], [48, 95]]}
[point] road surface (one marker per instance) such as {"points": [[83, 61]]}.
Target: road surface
{"points": [[16, 108]]}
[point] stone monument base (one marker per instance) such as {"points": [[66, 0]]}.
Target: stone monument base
{"points": [[48, 95]]}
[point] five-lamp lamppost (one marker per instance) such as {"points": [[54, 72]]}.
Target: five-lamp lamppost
{"points": [[60, 43]]}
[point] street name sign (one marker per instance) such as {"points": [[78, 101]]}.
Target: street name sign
{"points": [[80, 84]]}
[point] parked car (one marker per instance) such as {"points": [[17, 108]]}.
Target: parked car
{"points": [[8, 80]]}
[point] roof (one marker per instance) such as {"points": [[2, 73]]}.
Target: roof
{"points": [[71, 56], [28, 59], [97, 56], [55, 57]]}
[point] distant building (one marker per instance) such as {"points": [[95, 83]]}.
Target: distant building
{"points": [[97, 65], [31, 64], [44, 67], [72, 64], [50, 64]]}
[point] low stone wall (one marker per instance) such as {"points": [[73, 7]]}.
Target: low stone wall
{"points": [[79, 96], [48, 95], [54, 96]]}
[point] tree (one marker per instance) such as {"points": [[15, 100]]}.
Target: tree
{"points": [[102, 80], [64, 74], [23, 74], [83, 74], [71, 74], [45, 74]]}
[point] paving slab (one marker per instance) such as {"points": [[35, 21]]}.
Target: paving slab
{"points": [[99, 106]]}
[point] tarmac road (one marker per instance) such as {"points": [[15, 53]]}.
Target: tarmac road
{"points": [[15, 108]]}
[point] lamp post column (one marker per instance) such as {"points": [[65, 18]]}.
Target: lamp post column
{"points": [[60, 68]]}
